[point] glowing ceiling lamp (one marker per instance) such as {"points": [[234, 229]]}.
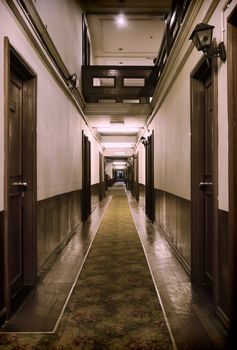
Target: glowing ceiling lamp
{"points": [[118, 129], [121, 21], [119, 163], [118, 145]]}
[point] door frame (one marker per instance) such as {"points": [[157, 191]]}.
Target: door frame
{"points": [[232, 144], [200, 71], [13, 60]]}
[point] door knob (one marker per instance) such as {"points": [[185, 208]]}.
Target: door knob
{"points": [[203, 185], [22, 185]]}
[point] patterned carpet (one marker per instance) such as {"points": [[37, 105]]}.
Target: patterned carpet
{"points": [[114, 305]]}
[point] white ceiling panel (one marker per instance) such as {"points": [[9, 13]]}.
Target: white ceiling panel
{"points": [[139, 36]]}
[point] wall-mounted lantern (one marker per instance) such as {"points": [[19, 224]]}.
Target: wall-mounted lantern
{"points": [[202, 39]]}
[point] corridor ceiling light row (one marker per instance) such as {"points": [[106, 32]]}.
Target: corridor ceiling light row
{"points": [[117, 144], [118, 129], [119, 163], [119, 167]]}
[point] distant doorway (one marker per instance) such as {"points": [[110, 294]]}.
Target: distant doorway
{"points": [[119, 176], [20, 248]]}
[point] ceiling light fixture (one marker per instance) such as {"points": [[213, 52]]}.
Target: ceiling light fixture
{"points": [[121, 21], [119, 163], [117, 144], [118, 129]]}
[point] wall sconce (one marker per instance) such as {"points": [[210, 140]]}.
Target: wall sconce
{"points": [[72, 81], [202, 39], [144, 141]]}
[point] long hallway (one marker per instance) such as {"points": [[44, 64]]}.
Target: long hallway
{"points": [[111, 303], [106, 97]]}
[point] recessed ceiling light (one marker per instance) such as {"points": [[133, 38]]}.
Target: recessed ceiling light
{"points": [[121, 20]]}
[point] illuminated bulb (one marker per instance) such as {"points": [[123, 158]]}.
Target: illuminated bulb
{"points": [[121, 20]]}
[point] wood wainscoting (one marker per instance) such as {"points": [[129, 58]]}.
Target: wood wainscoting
{"points": [[95, 195], [173, 217], [2, 310], [223, 258], [58, 218], [142, 194]]}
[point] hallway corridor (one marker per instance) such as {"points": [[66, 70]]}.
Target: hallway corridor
{"points": [[118, 132], [98, 312]]}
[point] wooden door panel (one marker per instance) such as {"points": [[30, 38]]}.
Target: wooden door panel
{"points": [[15, 193], [208, 178], [15, 245], [15, 127], [209, 238]]}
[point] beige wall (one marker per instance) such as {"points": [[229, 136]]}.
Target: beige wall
{"points": [[172, 119], [63, 19], [59, 124], [141, 164], [109, 169]]}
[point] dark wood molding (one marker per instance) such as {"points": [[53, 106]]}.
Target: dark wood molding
{"points": [[118, 91]]}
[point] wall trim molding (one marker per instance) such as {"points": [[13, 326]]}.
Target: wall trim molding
{"points": [[179, 54]]}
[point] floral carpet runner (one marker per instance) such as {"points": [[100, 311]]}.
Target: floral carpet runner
{"points": [[114, 305]]}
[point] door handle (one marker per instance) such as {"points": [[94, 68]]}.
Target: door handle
{"points": [[23, 185], [203, 185]]}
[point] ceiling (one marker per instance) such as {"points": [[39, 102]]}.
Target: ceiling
{"points": [[134, 40]]}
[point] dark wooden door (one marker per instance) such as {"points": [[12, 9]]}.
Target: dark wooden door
{"points": [[150, 177], [20, 237], [231, 269], [203, 175], [17, 186], [207, 184], [86, 177]]}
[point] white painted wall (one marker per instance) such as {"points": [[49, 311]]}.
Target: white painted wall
{"points": [[141, 164], [172, 121], [109, 169], [59, 124], [63, 19], [172, 139]]}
